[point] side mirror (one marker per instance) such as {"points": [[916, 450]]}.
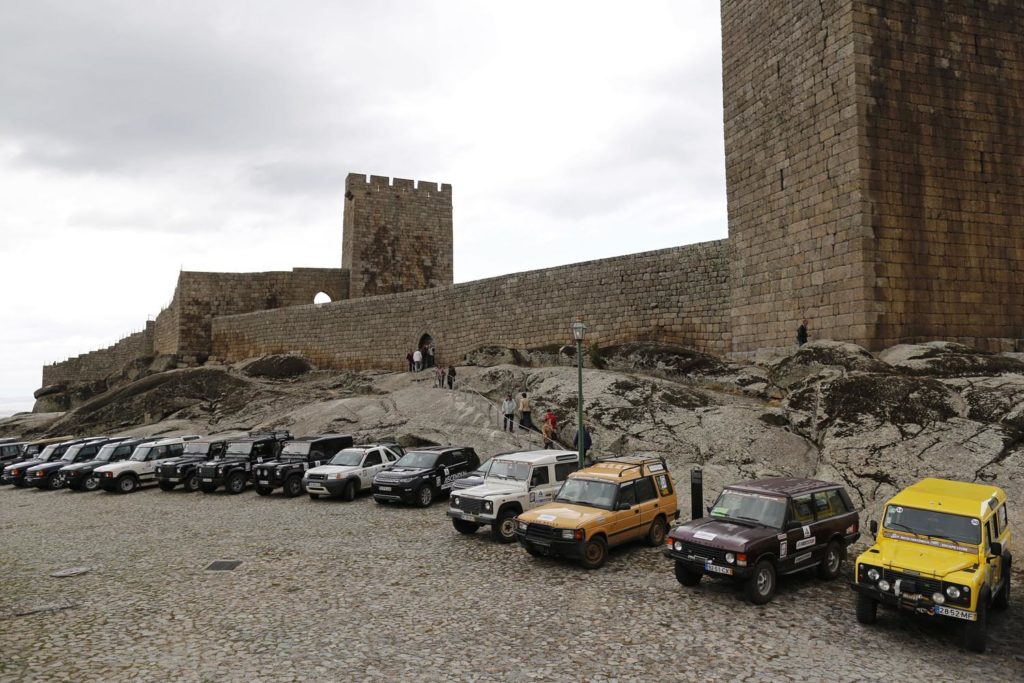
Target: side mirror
{"points": [[995, 548], [873, 525]]}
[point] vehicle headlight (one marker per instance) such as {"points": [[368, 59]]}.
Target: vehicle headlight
{"points": [[488, 505], [15, 472], [678, 546], [457, 501], [883, 585], [521, 526], [953, 592], [40, 474], [730, 558], [873, 574], [220, 470], [938, 598], [567, 534]]}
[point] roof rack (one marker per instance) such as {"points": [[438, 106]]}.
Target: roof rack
{"points": [[280, 436], [634, 462]]}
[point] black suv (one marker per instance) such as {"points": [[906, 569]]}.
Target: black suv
{"points": [[184, 469], [50, 475], [232, 470], [297, 456], [78, 477], [423, 474], [11, 452], [15, 472]]}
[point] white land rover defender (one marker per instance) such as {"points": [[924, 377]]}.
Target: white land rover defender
{"points": [[515, 483], [127, 475]]}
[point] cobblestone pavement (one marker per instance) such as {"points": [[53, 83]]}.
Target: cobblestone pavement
{"points": [[355, 591]]}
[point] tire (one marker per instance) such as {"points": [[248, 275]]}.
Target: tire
{"points": [[867, 609], [235, 483], [1002, 600], [464, 527], [657, 533], [832, 562], [686, 575], [760, 587], [167, 485], [424, 496], [207, 488], [264, 490], [55, 482], [293, 486], [191, 482], [595, 553], [314, 496], [976, 632], [127, 483], [504, 528], [349, 492], [90, 484]]}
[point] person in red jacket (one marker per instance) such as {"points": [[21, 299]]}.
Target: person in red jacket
{"points": [[551, 419]]}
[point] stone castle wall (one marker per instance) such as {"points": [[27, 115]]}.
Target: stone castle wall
{"points": [[101, 364], [678, 295], [397, 235]]}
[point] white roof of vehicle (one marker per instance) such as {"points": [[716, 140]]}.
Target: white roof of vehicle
{"points": [[541, 457], [171, 441]]}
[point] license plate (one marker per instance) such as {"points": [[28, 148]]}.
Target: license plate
{"points": [[468, 518], [708, 567], [384, 488], [207, 480], [172, 479], [956, 613], [264, 482]]}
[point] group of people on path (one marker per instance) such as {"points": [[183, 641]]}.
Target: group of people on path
{"points": [[444, 377], [420, 359], [549, 423]]}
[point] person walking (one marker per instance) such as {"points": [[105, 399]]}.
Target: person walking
{"points": [[801, 334], [548, 432], [525, 413], [552, 419], [408, 357], [587, 443], [439, 377], [508, 410], [417, 360], [451, 376]]}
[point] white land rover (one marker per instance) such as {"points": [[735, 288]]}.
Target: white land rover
{"points": [[350, 470], [127, 475], [514, 483]]}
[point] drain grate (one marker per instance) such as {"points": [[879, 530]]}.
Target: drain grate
{"points": [[223, 565]]}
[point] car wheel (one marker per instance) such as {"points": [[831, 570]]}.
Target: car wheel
{"points": [[127, 483], [1002, 600], [686, 575], [867, 609], [832, 563], [504, 528], [264, 490], [595, 552], [56, 482], [976, 632], [236, 483], [760, 587], [91, 484], [657, 533], [191, 482], [293, 486], [166, 485], [425, 496], [349, 492], [464, 527], [207, 487]]}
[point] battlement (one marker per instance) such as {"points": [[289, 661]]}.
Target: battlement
{"points": [[378, 183]]}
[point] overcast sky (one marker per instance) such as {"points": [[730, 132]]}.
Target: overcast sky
{"points": [[137, 139]]}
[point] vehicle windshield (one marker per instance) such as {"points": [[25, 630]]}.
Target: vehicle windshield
{"points": [[239, 448], [933, 523], [506, 469], [107, 451], [296, 448], [483, 469], [195, 448], [69, 454], [141, 452], [418, 460], [599, 494], [750, 507], [47, 452], [350, 457]]}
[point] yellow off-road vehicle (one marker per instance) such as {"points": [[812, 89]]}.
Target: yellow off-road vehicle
{"points": [[943, 550], [611, 502]]}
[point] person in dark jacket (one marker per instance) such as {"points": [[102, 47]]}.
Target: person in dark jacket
{"points": [[587, 443], [801, 334], [451, 376], [408, 357]]}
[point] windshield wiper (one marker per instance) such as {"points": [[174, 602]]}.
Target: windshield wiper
{"points": [[892, 525]]}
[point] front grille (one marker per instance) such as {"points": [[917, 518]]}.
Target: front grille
{"points": [[208, 472], [167, 470], [473, 506], [910, 583], [707, 553], [317, 477], [542, 532]]}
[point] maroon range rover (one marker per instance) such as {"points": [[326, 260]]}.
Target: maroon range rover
{"points": [[757, 530]]}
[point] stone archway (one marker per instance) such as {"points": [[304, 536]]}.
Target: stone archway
{"points": [[426, 345]]}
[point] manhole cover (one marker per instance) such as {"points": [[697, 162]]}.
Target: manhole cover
{"points": [[70, 571], [223, 565]]}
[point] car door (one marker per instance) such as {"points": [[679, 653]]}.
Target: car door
{"points": [[647, 500], [800, 539], [373, 462], [626, 520], [995, 562], [147, 470], [542, 485]]}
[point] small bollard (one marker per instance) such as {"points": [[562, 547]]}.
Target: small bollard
{"points": [[696, 493]]}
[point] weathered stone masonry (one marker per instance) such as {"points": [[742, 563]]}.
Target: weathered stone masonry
{"points": [[98, 365], [677, 295]]}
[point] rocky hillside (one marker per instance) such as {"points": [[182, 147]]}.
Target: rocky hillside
{"points": [[828, 410]]}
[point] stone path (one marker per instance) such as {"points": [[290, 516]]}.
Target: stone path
{"points": [[356, 591]]}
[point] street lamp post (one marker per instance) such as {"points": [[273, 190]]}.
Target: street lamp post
{"points": [[579, 331]]}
